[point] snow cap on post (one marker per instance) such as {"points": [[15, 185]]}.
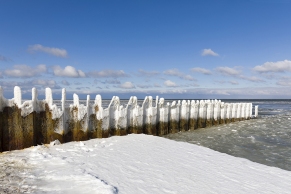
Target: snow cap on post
{"points": [[63, 99], [76, 100], [17, 96], [34, 96], [98, 101], [49, 97]]}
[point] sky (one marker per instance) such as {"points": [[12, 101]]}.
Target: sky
{"points": [[174, 49]]}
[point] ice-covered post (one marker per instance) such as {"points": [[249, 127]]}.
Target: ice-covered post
{"points": [[247, 110], [163, 112], [118, 119], [102, 115], [29, 125], [222, 113], [174, 118], [64, 113], [209, 118], [251, 110], [12, 136], [149, 116], [134, 116], [233, 112], [77, 123], [243, 111], [138, 118], [202, 114], [193, 115], [256, 111], [216, 112], [49, 121], [122, 120], [228, 116], [238, 113], [184, 118], [17, 96]]}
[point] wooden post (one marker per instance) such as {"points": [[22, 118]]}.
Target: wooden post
{"points": [[1, 116], [184, 116], [163, 112], [222, 113], [174, 118], [149, 116], [28, 120], [216, 112], [202, 114], [209, 118], [12, 132], [194, 108]]}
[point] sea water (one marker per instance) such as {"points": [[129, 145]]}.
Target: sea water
{"points": [[266, 139]]}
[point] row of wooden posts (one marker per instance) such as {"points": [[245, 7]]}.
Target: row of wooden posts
{"points": [[34, 122]]}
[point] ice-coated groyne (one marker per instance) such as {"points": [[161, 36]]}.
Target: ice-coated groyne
{"points": [[36, 121]]}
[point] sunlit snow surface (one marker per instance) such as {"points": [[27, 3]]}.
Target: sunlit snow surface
{"points": [[136, 164]]}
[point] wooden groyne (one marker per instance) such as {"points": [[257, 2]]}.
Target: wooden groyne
{"points": [[35, 122]]}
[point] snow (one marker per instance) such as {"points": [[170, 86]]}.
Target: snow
{"points": [[17, 96], [135, 164]]}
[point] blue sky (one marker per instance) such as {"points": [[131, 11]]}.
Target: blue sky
{"points": [[174, 49]]}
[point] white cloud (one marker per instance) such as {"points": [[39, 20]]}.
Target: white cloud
{"points": [[127, 85], [108, 73], [148, 73], [25, 71], [177, 73], [209, 52], [53, 51], [68, 71], [279, 66], [201, 70], [169, 83], [228, 71]]}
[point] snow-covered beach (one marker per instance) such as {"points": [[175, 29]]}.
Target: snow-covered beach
{"points": [[135, 164]]}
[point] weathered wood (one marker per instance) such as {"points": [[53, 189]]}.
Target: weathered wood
{"points": [[12, 134]]}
